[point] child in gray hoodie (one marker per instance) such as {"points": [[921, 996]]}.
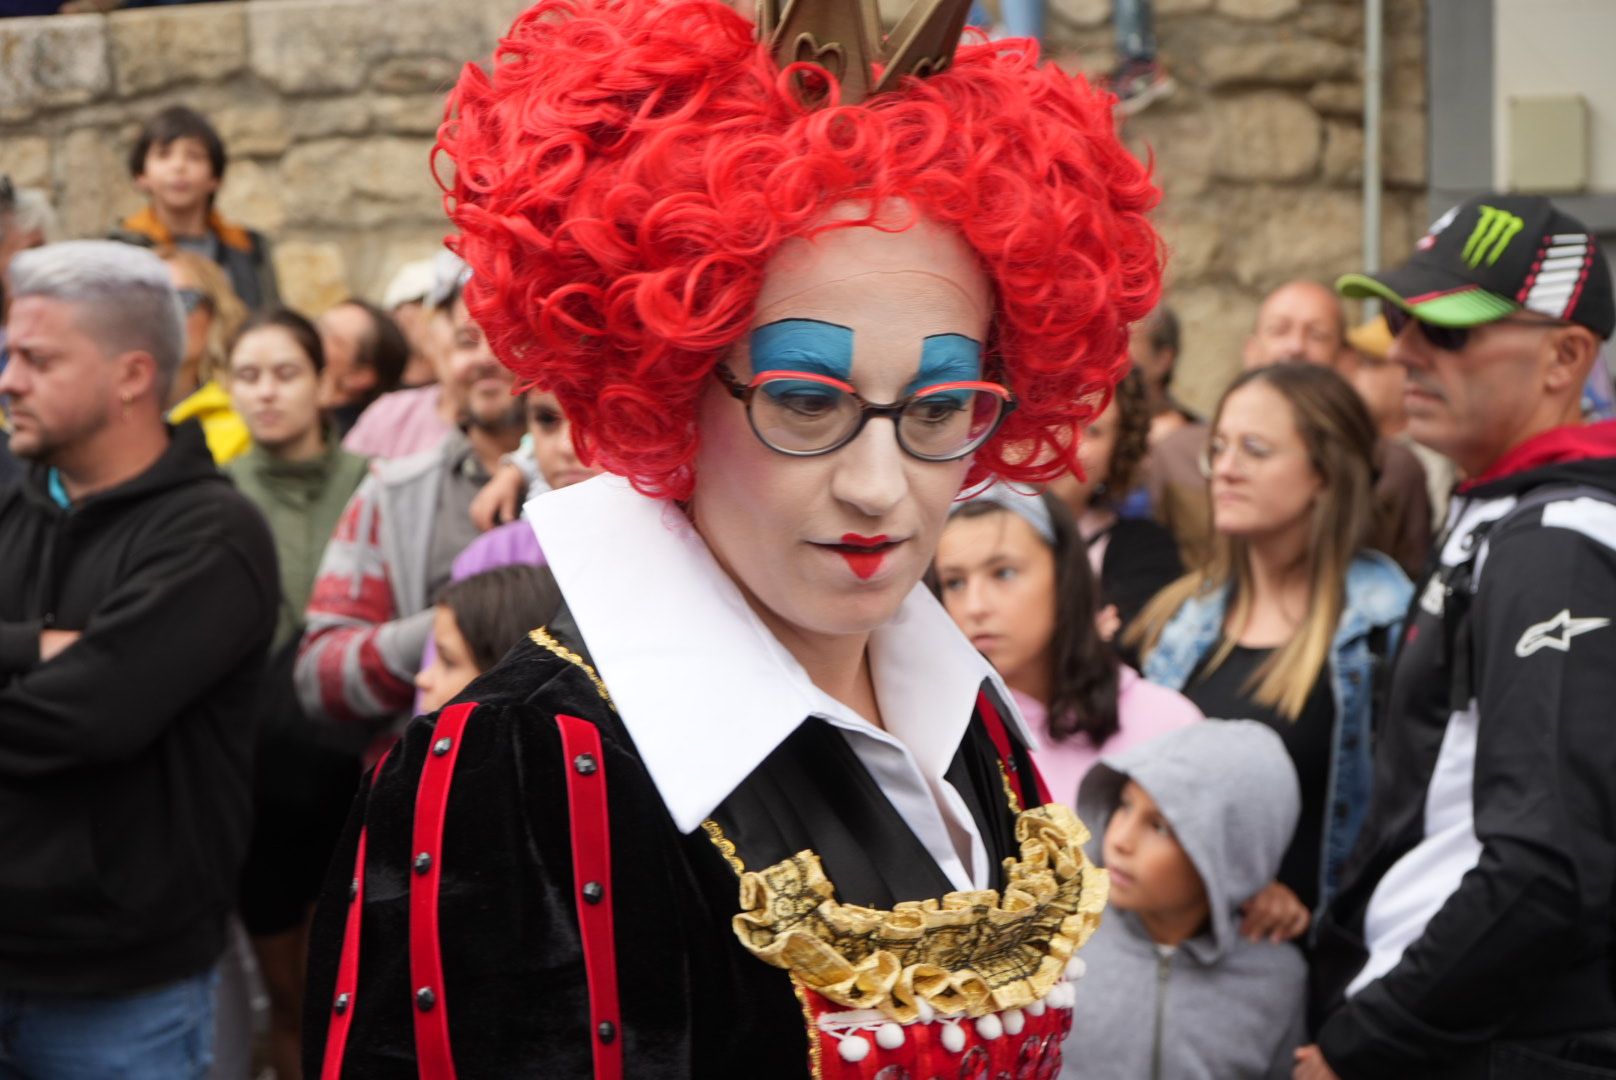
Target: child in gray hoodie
{"points": [[1190, 825]]}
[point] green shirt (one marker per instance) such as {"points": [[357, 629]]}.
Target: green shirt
{"points": [[302, 501]]}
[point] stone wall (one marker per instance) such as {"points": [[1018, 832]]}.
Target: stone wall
{"points": [[1260, 151], [329, 109]]}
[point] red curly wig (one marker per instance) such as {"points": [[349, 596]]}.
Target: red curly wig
{"points": [[629, 166]]}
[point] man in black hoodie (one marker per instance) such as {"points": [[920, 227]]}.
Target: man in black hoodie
{"points": [[137, 599], [1473, 933]]}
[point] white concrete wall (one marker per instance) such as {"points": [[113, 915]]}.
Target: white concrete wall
{"points": [[1558, 47]]}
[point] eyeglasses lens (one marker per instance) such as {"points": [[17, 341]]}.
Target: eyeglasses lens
{"points": [[191, 299], [799, 416], [949, 423]]}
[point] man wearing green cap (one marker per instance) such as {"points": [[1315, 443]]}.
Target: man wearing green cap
{"points": [[1472, 936]]}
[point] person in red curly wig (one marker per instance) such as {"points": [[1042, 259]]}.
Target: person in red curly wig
{"points": [[750, 805]]}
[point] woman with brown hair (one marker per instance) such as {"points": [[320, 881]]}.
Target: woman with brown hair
{"points": [[1291, 617], [1013, 573], [1132, 558]]}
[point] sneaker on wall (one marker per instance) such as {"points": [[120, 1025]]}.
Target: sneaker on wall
{"points": [[1139, 84]]}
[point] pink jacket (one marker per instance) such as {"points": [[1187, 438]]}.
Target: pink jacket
{"points": [[1145, 711]]}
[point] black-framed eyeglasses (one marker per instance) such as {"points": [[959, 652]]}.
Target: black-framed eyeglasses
{"points": [[192, 299], [804, 414], [1454, 338]]}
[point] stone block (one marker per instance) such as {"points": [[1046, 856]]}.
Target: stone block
{"points": [[360, 182], [1183, 145], [313, 119], [1193, 241], [1089, 53], [1266, 135], [315, 46], [407, 74], [1405, 82], [1296, 61], [1343, 152], [1278, 234], [1404, 218], [1337, 98], [313, 275], [164, 46], [95, 187], [410, 114], [1215, 322], [51, 62], [26, 159], [1404, 147], [1338, 22], [252, 195], [257, 130], [1083, 13], [498, 15], [1259, 10], [374, 256]]}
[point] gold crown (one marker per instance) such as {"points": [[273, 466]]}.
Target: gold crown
{"points": [[845, 38]]}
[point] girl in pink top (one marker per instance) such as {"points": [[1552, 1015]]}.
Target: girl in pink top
{"points": [[1013, 572]]}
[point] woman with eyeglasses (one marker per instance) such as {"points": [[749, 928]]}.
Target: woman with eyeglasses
{"points": [[1291, 619], [213, 315], [750, 805]]}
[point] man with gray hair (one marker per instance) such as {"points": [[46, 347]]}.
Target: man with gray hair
{"points": [[138, 595]]}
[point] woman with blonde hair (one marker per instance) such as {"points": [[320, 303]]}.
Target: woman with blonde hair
{"points": [[1291, 617], [213, 315]]}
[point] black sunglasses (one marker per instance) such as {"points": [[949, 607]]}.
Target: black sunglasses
{"points": [[1453, 338]]}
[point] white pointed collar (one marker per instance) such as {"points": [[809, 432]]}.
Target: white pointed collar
{"points": [[705, 690]]}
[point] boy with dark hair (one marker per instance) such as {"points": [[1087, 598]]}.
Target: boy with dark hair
{"points": [[178, 163]]}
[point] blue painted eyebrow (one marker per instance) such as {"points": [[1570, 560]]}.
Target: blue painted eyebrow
{"points": [[820, 348], [946, 358]]}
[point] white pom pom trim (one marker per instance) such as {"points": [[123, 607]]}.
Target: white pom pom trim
{"points": [[889, 1036], [1014, 1021], [854, 1048], [990, 1027]]}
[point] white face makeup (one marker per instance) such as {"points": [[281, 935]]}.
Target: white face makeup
{"points": [[831, 545]]}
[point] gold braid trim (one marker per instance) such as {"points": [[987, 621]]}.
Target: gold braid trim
{"points": [[816, 1064], [725, 846], [970, 953], [541, 637], [1009, 789]]}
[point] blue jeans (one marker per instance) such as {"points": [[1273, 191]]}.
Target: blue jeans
{"points": [[160, 1034], [1136, 29]]}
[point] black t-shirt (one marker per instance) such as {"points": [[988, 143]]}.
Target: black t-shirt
{"points": [[1141, 558], [1222, 694]]}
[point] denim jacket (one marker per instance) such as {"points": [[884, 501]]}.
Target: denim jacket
{"points": [[1378, 594]]}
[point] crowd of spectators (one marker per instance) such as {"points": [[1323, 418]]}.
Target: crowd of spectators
{"points": [[245, 545]]}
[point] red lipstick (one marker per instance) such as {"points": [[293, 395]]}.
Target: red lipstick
{"points": [[863, 553]]}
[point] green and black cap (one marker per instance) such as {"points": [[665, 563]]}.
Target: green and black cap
{"points": [[1494, 255]]}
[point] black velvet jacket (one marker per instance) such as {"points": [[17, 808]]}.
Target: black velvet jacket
{"points": [[694, 1002]]}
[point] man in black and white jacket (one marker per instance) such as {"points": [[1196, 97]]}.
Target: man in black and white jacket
{"points": [[1473, 934]]}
